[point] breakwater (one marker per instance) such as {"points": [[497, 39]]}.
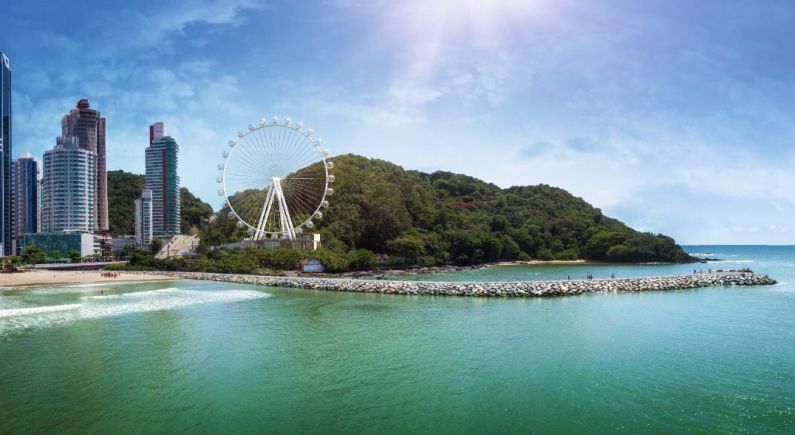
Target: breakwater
{"points": [[486, 289]]}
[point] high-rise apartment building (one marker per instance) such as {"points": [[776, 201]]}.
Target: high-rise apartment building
{"points": [[68, 192], [163, 181], [5, 155], [88, 126], [156, 131], [143, 218], [24, 199]]}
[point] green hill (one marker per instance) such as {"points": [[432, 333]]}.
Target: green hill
{"points": [[124, 188], [443, 218]]}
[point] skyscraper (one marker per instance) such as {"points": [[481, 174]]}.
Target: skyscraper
{"points": [[24, 199], [163, 181], [88, 126], [156, 131], [143, 218], [5, 155], [68, 195]]}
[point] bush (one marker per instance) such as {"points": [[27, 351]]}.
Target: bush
{"points": [[567, 255], [617, 253], [523, 256], [361, 259], [331, 260], [281, 258], [545, 254], [427, 261]]}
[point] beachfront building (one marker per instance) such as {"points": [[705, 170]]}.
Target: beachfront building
{"points": [[67, 197], [143, 218], [24, 199], [5, 155], [58, 245], [162, 180], [88, 126]]}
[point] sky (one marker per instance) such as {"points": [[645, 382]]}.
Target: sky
{"points": [[674, 116]]}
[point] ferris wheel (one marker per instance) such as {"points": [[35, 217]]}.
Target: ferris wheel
{"points": [[275, 178]]}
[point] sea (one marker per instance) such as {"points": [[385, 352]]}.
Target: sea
{"points": [[207, 357]]}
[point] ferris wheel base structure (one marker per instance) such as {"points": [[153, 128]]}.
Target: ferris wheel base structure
{"points": [[302, 242]]}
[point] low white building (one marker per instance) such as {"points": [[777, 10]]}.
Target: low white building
{"points": [[312, 266]]}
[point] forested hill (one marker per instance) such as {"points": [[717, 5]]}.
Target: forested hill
{"points": [[443, 218], [124, 188]]}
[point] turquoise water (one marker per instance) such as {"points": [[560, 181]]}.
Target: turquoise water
{"points": [[208, 357]]}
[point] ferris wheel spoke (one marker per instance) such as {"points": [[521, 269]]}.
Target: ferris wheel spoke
{"points": [[262, 152], [306, 156], [295, 141], [308, 187], [301, 197], [304, 202], [244, 201]]}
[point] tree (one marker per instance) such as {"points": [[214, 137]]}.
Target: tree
{"points": [[361, 259], [192, 211], [381, 207], [156, 245], [32, 255], [56, 255], [408, 246], [75, 257], [601, 242]]}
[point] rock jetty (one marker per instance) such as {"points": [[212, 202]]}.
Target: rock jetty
{"points": [[489, 289]]}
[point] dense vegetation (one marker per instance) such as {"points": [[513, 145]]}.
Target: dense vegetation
{"points": [[193, 211], [443, 218], [124, 188], [250, 260]]}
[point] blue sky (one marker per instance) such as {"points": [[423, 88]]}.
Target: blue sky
{"points": [[674, 116]]}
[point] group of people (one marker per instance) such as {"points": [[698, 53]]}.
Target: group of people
{"points": [[110, 274]]}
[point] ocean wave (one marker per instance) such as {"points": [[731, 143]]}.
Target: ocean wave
{"points": [[37, 310], [102, 284], [101, 306]]}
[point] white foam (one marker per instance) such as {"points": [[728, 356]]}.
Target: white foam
{"points": [[103, 284], [37, 310], [100, 306]]}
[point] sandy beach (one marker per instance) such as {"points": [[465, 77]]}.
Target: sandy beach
{"points": [[49, 277]]}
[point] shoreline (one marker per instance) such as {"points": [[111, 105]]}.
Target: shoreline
{"points": [[32, 278], [488, 289]]}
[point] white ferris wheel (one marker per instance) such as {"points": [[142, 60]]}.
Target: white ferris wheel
{"points": [[275, 178]]}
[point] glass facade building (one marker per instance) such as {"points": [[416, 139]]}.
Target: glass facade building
{"points": [[5, 155], [163, 181], [25, 201], [88, 126], [64, 242], [67, 197]]}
